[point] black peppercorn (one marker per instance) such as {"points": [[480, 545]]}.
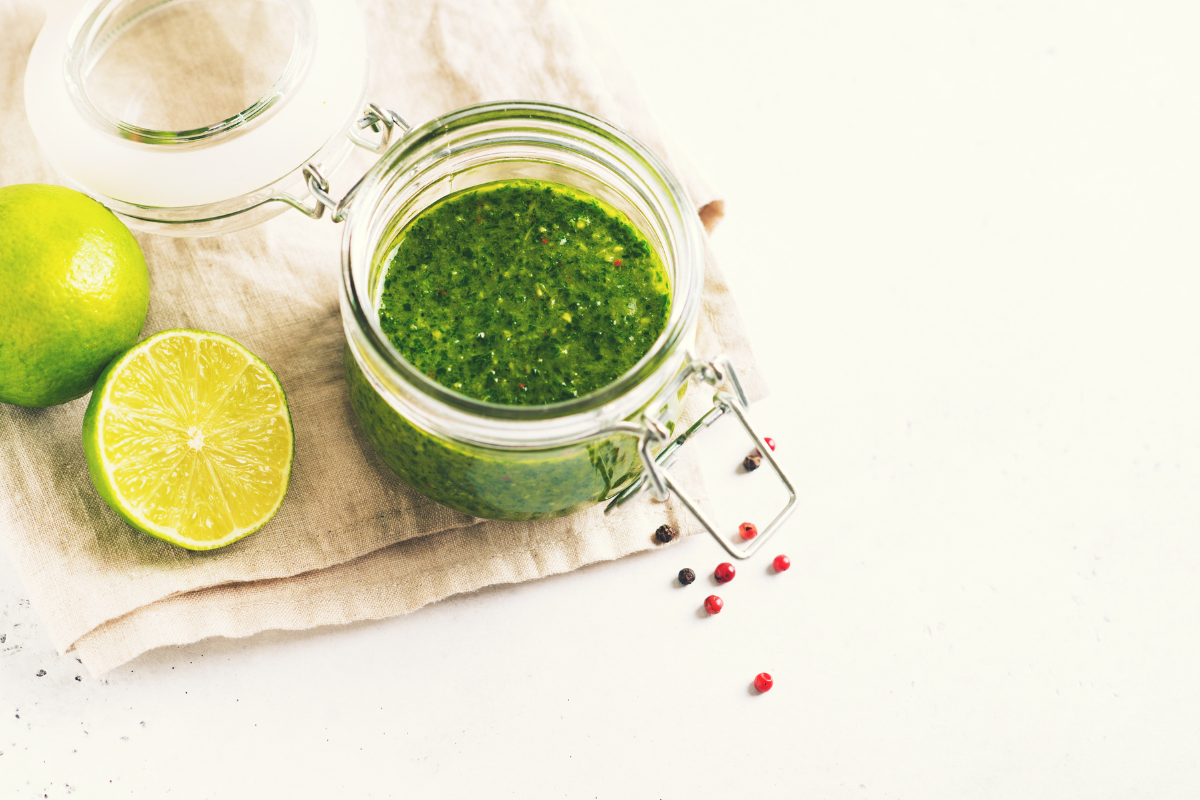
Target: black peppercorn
{"points": [[686, 576], [664, 534], [752, 461]]}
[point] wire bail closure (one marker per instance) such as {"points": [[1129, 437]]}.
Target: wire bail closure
{"points": [[657, 477], [381, 120]]}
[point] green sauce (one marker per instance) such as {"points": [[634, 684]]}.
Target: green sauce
{"points": [[523, 293], [473, 297]]}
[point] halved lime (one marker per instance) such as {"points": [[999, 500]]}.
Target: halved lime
{"points": [[188, 438]]}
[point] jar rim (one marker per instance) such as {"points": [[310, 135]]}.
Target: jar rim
{"points": [[359, 243], [94, 34]]}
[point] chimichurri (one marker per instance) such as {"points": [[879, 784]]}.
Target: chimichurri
{"points": [[523, 293], [516, 292]]}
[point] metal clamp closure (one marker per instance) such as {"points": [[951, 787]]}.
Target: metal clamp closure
{"points": [[656, 474], [381, 120]]}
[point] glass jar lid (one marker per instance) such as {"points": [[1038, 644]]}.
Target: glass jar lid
{"points": [[190, 116]]}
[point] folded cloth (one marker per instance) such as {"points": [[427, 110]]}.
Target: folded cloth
{"points": [[352, 541]]}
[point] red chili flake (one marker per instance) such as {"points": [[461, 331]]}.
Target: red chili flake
{"points": [[441, 291], [763, 681], [479, 219], [713, 604], [747, 530], [724, 572], [782, 563], [617, 263], [521, 385], [543, 241]]}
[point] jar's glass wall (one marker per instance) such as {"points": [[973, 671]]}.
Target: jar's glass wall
{"points": [[491, 482]]}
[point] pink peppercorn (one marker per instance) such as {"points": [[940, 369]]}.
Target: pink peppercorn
{"points": [[763, 681], [713, 604], [770, 443], [724, 572], [747, 530], [782, 563]]}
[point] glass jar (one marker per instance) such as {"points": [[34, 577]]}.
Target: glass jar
{"points": [[501, 461]]}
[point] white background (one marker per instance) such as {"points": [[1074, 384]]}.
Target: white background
{"points": [[964, 237]]}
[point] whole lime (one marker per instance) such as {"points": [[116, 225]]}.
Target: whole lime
{"points": [[75, 289]]}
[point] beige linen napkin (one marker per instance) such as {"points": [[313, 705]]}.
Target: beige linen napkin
{"points": [[352, 541]]}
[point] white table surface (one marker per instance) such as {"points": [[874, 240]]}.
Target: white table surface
{"points": [[964, 237]]}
